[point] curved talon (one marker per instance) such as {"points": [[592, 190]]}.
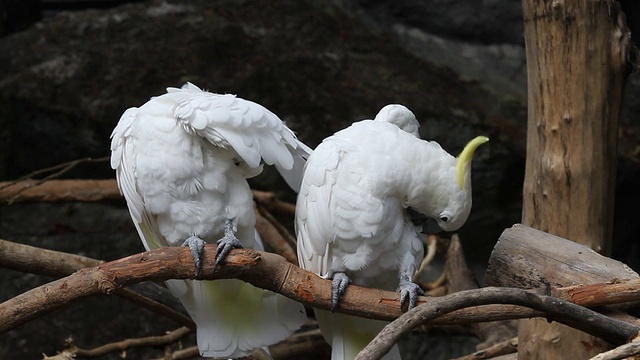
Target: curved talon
{"points": [[225, 245], [196, 246], [339, 284], [409, 291]]}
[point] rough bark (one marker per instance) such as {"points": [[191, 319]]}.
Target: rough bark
{"points": [[577, 66], [581, 318], [528, 258], [273, 272], [30, 190]]}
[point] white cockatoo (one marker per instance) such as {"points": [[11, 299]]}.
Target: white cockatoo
{"points": [[351, 214], [181, 161]]}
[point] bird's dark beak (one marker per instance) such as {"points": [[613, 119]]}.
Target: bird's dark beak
{"points": [[428, 225]]}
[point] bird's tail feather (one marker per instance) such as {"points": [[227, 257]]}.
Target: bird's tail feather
{"points": [[348, 335], [233, 317]]}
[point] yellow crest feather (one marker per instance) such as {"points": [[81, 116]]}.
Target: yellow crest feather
{"points": [[465, 156]]}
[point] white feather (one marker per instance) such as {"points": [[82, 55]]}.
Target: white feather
{"points": [[181, 162], [351, 211]]}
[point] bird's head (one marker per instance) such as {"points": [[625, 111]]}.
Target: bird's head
{"points": [[449, 190], [457, 210]]}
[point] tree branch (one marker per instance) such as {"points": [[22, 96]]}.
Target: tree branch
{"points": [[617, 332], [274, 234], [123, 345], [28, 190], [272, 272], [461, 278], [621, 352], [509, 346], [34, 260], [58, 190]]}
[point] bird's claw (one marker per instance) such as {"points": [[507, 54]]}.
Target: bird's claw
{"points": [[409, 291], [196, 246], [339, 284], [225, 245]]}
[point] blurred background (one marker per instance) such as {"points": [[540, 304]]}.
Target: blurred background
{"points": [[69, 69]]}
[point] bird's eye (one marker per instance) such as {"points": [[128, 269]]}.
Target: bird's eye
{"points": [[444, 218]]}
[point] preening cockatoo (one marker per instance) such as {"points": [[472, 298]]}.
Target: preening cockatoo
{"points": [[181, 161], [351, 213]]}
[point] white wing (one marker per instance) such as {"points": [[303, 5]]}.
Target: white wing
{"points": [[333, 218], [248, 128], [232, 317], [122, 161]]}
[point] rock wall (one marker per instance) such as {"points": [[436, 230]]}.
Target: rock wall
{"points": [[318, 64]]}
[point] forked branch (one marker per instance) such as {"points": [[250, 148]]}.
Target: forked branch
{"points": [[273, 272]]}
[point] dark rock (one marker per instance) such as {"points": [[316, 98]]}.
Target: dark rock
{"points": [[484, 22], [319, 65]]}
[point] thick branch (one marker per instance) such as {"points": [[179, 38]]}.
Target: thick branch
{"points": [[58, 190], [561, 311], [265, 270], [274, 234], [99, 190], [621, 352], [57, 264]]}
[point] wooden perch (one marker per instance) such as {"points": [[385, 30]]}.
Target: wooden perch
{"points": [[599, 325], [528, 258], [34, 260], [265, 270], [58, 190], [100, 190]]}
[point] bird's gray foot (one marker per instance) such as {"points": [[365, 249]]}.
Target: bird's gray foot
{"points": [[339, 284], [409, 291], [196, 245], [227, 243]]}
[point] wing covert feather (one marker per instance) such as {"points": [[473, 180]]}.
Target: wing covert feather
{"points": [[253, 131], [354, 214]]}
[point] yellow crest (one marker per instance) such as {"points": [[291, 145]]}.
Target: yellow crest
{"points": [[465, 156]]}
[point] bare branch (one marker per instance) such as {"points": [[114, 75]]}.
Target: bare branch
{"points": [[559, 310], [272, 272], [34, 260], [274, 235], [123, 345], [506, 347], [58, 190], [27, 190], [187, 353], [271, 202], [621, 352], [461, 278], [59, 170]]}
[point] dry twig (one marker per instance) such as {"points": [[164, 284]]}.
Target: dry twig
{"points": [[581, 318], [274, 234], [59, 169], [74, 351], [34, 260], [273, 272], [621, 352], [502, 348], [275, 205], [461, 278]]}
